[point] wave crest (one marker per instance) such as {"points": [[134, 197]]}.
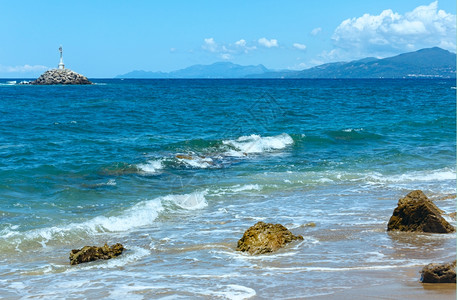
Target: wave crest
{"points": [[257, 144], [141, 214]]}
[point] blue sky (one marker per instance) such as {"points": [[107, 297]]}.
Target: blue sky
{"points": [[107, 38]]}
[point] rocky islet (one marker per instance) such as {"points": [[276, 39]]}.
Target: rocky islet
{"points": [[61, 77]]}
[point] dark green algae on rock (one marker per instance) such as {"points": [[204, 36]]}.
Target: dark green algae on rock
{"points": [[92, 253], [265, 238]]}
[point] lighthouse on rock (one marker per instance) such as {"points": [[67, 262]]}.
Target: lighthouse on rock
{"points": [[61, 64], [60, 76]]}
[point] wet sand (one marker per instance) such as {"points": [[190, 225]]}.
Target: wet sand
{"points": [[403, 285]]}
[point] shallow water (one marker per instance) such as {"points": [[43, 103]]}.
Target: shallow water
{"points": [[176, 170]]}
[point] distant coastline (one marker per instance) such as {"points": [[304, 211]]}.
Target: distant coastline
{"points": [[425, 63]]}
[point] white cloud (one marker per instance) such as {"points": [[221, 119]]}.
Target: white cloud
{"points": [[243, 46], [332, 55], [210, 45], [391, 32], [226, 56], [226, 51], [299, 46], [23, 69], [241, 43], [316, 31], [268, 43]]}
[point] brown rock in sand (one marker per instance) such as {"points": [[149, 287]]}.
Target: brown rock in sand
{"points": [[91, 253], [439, 273], [416, 212], [265, 237]]}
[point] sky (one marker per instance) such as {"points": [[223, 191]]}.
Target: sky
{"points": [[102, 39]]}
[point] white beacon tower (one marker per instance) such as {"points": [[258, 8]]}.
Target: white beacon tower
{"points": [[61, 65]]}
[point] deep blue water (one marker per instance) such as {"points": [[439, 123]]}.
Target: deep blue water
{"points": [[126, 158]]}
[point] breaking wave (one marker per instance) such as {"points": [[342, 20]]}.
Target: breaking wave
{"points": [[254, 143], [142, 214]]}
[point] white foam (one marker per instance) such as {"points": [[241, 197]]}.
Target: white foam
{"points": [[352, 129], [197, 162], [324, 180], [141, 214], [375, 178], [206, 276], [151, 167], [235, 292], [256, 144], [415, 176], [343, 269], [110, 182], [246, 187], [190, 201], [129, 291], [243, 256]]}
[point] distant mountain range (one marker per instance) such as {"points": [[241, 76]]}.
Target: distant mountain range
{"points": [[425, 63], [216, 70]]}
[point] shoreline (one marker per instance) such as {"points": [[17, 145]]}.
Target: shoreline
{"points": [[405, 285]]}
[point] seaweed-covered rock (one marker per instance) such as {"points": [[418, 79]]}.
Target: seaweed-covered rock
{"points": [[439, 273], [91, 253], [416, 212], [60, 76], [265, 237]]}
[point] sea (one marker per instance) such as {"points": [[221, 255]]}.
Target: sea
{"points": [[177, 169]]}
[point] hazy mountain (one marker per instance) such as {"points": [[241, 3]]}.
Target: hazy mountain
{"points": [[216, 70], [431, 62]]}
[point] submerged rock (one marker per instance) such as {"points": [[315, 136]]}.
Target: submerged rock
{"points": [[91, 253], [416, 212], [60, 76], [439, 273], [265, 237]]}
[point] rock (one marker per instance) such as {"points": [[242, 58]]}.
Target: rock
{"points": [[60, 76], [181, 156], [439, 273], [91, 253], [265, 237], [416, 212]]}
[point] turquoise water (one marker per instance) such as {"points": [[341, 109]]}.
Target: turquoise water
{"points": [[176, 170]]}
